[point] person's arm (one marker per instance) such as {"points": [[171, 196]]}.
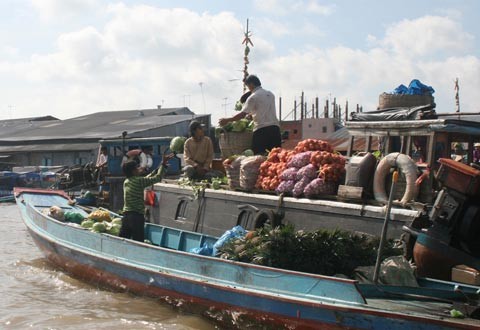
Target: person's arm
{"points": [[156, 175], [150, 180], [188, 154], [209, 156], [238, 116]]}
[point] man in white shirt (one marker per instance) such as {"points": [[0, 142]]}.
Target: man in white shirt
{"points": [[102, 164], [260, 105]]}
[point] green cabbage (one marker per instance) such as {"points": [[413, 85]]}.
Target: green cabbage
{"points": [[117, 221], [99, 227], [114, 230], [87, 224], [228, 127], [248, 153], [176, 145], [240, 125]]}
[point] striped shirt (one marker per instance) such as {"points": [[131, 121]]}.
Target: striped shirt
{"points": [[133, 188]]}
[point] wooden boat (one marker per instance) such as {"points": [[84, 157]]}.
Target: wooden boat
{"points": [[285, 298]]}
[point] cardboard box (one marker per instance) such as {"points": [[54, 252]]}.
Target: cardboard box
{"points": [[467, 275]]}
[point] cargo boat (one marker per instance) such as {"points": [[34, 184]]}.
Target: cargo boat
{"points": [[166, 270]]}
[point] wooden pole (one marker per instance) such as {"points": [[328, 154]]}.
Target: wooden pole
{"points": [[325, 110], [302, 107], [346, 111], [280, 109], [316, 107], [295, 110]]}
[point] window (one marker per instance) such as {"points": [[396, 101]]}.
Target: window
{"points": [[324, 129], [181, 213], [245, 218], [47, 161]]}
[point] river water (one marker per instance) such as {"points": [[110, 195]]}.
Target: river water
{"points": [[34, 295]]}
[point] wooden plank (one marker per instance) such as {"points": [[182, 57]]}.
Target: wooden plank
{"points": [[350, 192]]}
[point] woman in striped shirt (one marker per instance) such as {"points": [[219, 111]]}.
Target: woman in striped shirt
{"points": [[133, 222]]}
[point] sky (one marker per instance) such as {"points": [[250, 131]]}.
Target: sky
{"points": [[68, 58]]}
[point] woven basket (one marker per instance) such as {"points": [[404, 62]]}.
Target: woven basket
{"points": [[234, 143], [387, 101]]}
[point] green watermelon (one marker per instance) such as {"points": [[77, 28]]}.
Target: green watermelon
{"points": [[176, 145]]}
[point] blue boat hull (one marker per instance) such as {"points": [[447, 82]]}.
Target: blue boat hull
{"points": [[282, 310]]}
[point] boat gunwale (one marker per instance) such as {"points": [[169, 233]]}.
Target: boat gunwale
{"points": [[357, 308], [248, 265], [334, 304]]}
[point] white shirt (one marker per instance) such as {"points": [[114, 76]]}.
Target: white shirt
{"points": [[146, 161], [261, 105], [102, 159]]}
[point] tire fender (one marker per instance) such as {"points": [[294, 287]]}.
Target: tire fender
{"points": [[266, 215], [407, 167]]}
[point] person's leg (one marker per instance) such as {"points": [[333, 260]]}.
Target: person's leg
{"points": [[265, 139], [273, 137], [125, 229], [257, 143], [138, 227]]}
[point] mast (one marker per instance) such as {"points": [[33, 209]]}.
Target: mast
{"points": [[246, 41], [457, 96]]}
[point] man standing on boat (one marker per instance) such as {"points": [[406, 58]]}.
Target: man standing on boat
{"points": [[261, 106], [134, 208], [198, 154]]}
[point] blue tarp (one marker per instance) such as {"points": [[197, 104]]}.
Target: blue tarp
{"points": [[415, 88]]}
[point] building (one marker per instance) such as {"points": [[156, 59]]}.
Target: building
{"points": [[308, 128], [48, 141]]}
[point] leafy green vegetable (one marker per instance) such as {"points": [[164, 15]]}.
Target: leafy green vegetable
{"points": [[99, 227], [87, 224], [456, 314], [114, 229], [248, 153], [239, 126], [325, 252]]}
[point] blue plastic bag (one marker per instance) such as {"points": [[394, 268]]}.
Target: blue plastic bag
{"points": [[415, 88], [205, 250], [235, 232]]}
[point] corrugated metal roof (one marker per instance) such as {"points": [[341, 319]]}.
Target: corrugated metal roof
{"points": [[98, 125], [49, 147]]}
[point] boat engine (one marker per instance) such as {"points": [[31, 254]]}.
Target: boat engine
{"points": [[454, 236]]}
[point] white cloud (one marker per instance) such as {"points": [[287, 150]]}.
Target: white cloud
{"points": [[142, 55], [285, 7], [427, 35], [63, 9], [274, 28], [316, 8]]}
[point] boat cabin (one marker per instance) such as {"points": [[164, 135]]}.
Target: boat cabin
{"points": [[433, 139], [117, 148]]}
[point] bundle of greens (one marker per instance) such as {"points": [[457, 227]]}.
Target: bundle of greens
{"points": [[323, 251]]}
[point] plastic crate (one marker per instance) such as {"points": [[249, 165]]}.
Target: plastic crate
{"points": [[458, 176]]}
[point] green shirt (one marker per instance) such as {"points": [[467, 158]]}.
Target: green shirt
{"points": [[133, 188]]}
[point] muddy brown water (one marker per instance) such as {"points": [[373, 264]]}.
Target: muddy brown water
{"points": [[34, 295]]}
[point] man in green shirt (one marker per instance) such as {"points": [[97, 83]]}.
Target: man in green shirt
{"points": [[133, 210]]}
